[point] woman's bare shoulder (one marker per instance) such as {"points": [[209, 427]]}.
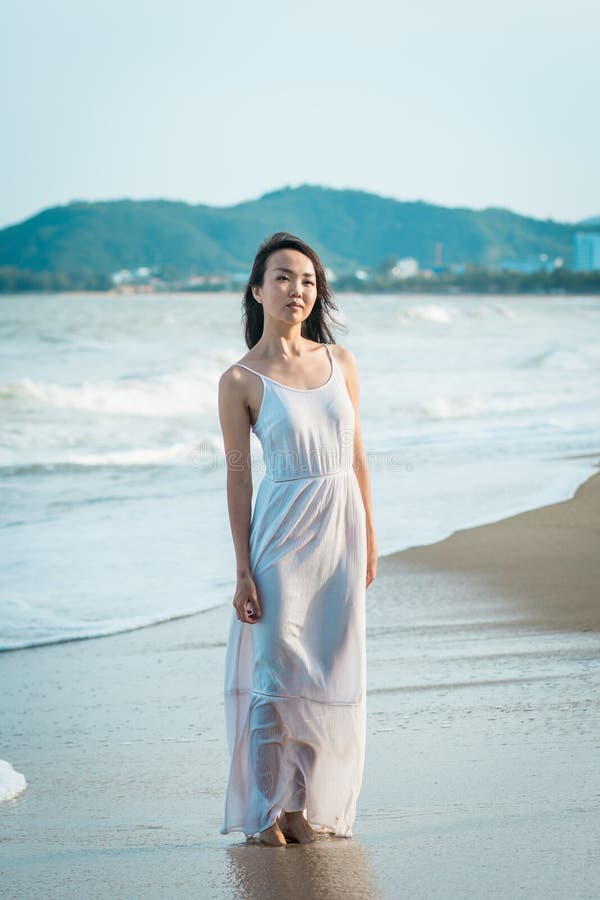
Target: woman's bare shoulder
{"points": [[233, 378], [345, 358]]}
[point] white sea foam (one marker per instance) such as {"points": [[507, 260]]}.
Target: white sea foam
{"points": [[184, 392], [447, 313], [436, 313], [61, 632], [24, 456], [11, 783], [177, 454], [479, 405], [208, 452]]}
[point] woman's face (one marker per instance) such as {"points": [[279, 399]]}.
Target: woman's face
{"points": [[289, 288]]}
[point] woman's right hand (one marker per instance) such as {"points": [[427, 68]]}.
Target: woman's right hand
{"points": [[245, 601]]}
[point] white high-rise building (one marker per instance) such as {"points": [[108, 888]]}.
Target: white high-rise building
{"points": [[405, 268], [586, 251]]}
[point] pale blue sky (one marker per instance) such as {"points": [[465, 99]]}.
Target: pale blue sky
{"points": [[457, 102]]}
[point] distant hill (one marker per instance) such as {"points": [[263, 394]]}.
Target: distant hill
{"points": [[594, 222], [348, 228]]}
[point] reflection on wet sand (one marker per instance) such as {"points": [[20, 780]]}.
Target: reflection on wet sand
{"points": [[327, 869]]}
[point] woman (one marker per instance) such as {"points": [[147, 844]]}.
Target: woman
{"points": [[295, 664]]}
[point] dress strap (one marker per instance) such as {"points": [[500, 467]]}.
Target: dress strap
{"points": [[332, 363], [251, 370], [265, 378]]}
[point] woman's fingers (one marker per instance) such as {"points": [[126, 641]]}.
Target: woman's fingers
{"points": [[253, 609], [247, 608], [253, 605]]}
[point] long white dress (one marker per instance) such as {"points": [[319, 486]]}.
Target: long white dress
{"points": [[295, 681]]}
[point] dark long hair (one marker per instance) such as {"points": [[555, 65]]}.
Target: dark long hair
{"points": [[317, 326]]}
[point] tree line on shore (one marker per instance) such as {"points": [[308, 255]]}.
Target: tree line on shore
{"points": [[473, 280]]}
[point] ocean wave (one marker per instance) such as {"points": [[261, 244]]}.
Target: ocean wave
{"points": [[177, 454], [560, 358], [204, 455], [436, 313], [89, 630], [474, 406], [446, 313], [189, 391]]}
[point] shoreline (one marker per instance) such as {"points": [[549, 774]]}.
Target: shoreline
{"points": [[438, 553]]}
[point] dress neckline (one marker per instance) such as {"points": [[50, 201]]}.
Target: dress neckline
{"points": [[288, 387]]}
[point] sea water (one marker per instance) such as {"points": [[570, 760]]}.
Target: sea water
{"points": [[113, 503]]}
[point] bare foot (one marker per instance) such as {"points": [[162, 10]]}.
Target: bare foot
{"points": [[273, 836], [295, 828]]}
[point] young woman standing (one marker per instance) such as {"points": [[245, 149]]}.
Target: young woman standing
{"points": [[295, 682]]}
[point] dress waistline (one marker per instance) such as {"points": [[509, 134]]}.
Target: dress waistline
{"points": [[337, 472]]}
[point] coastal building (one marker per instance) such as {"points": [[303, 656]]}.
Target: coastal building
{"points": [[141, 275], [586, 251], [407, 267], [528, 265]]}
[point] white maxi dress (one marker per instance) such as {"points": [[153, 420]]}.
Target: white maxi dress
{"points": [[295, 681]]}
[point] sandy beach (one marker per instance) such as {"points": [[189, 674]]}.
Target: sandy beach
{"points": [[481, 776]]}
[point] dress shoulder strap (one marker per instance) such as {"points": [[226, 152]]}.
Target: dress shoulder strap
{"points": [[266, 379], [251, 370]]}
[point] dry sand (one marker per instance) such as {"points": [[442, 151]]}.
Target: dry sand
{"points": [[481, 777]]}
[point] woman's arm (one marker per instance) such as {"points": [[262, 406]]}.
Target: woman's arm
{"points": [[234, 416], [361, 467]]}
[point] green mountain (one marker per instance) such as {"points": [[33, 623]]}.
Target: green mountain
{"points": [[348, 228]]}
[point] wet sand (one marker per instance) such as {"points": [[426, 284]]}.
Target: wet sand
{"points": [[545, 562], [481, 776]]}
